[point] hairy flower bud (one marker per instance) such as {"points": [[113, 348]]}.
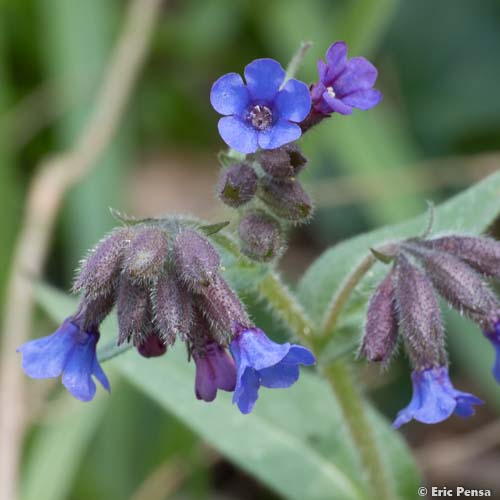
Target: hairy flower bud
{"points": [[99, 272], [196, 259], [483, 254], [134, 311], [458, 283], [172, 306], [146, 254], [286, 198], [223, 309], [284, 162], [151, 346], [260, 236], [237, 185], [381, 327], [92, 310], [420, 316]]}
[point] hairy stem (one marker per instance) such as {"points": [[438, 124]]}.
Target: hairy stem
{"points": [[296, 61], [341, 380]]}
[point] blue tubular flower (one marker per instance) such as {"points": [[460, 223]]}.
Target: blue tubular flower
{"points": [[214, 370], [260, 113], [494, 338], [344, 83], [260, 361], [69, 351], [435, 399]]}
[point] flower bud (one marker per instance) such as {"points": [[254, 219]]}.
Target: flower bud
{"points": [[134, 311], [172, 306], [483, 254], [458, 283], [286, 198], [381, 328], [92, 310], [260, 236], [196, 259], [151, 346], [284, 162], [420, 316], [223, 309], [146, 254], [237, 185], [99, 272]]}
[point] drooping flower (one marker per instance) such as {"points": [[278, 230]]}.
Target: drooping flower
{"points": [[344, 83], [260, 361], [214, 370], [70, 352], [260, 113], [435, 399], [494, 337]]}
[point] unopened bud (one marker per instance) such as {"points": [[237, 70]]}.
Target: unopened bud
{"points": [[286, 198], [196, 259], [99, 272], [260, 236], [151, 346], [237, 185], [456, 281], [92, 310], [146, 254], [419, 315], [481, 253], [134, 311], [172, 306], [223, 309], [284, 162], [381, 328]]}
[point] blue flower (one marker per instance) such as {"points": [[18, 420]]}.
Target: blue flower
{"points": [[69, 351], [344, 83], [435, 399], [260, 361], [494, 338], [260, 113], [214, 370]]}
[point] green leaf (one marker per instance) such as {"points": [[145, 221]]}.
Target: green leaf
{"points": [[295, 441], [471, 211]]}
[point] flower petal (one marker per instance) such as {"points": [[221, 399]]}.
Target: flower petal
{"points": [[336, 57], [279, 376], [238, 135], [322, 70], [264, 78], [229, 95], [299, 355], [282, 132], [363, 99], [99, 374], [77, 375], [360, 74], [205, 387], [336, 104], [246, 392], [47, 356], [225, 371], [293, 101]]}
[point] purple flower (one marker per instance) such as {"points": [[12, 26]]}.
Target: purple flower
{"points": [[261, 361], [344, 83], [494, 338], [214, 370], [69, 351], [435, 399], [260, 113]]}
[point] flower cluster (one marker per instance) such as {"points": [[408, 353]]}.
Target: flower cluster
{"points": [[165, 279], [454, 267]]}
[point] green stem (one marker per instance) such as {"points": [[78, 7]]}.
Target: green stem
{"points": [[296, 61], [342, 382]]}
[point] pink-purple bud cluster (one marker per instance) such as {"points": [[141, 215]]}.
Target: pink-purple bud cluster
{"points": [[406, 302]]}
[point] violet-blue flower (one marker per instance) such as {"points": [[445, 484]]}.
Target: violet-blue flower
{"points": [[70, 352], [344, 83], [260, 361], [262, 112], [214, 370], [435, 399], [494, 338]]}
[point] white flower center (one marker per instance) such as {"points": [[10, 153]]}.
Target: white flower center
{"points": [[330, 91], [260, 117]]}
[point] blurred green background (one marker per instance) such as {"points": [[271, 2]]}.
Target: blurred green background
{"points": [[436, 132]]}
